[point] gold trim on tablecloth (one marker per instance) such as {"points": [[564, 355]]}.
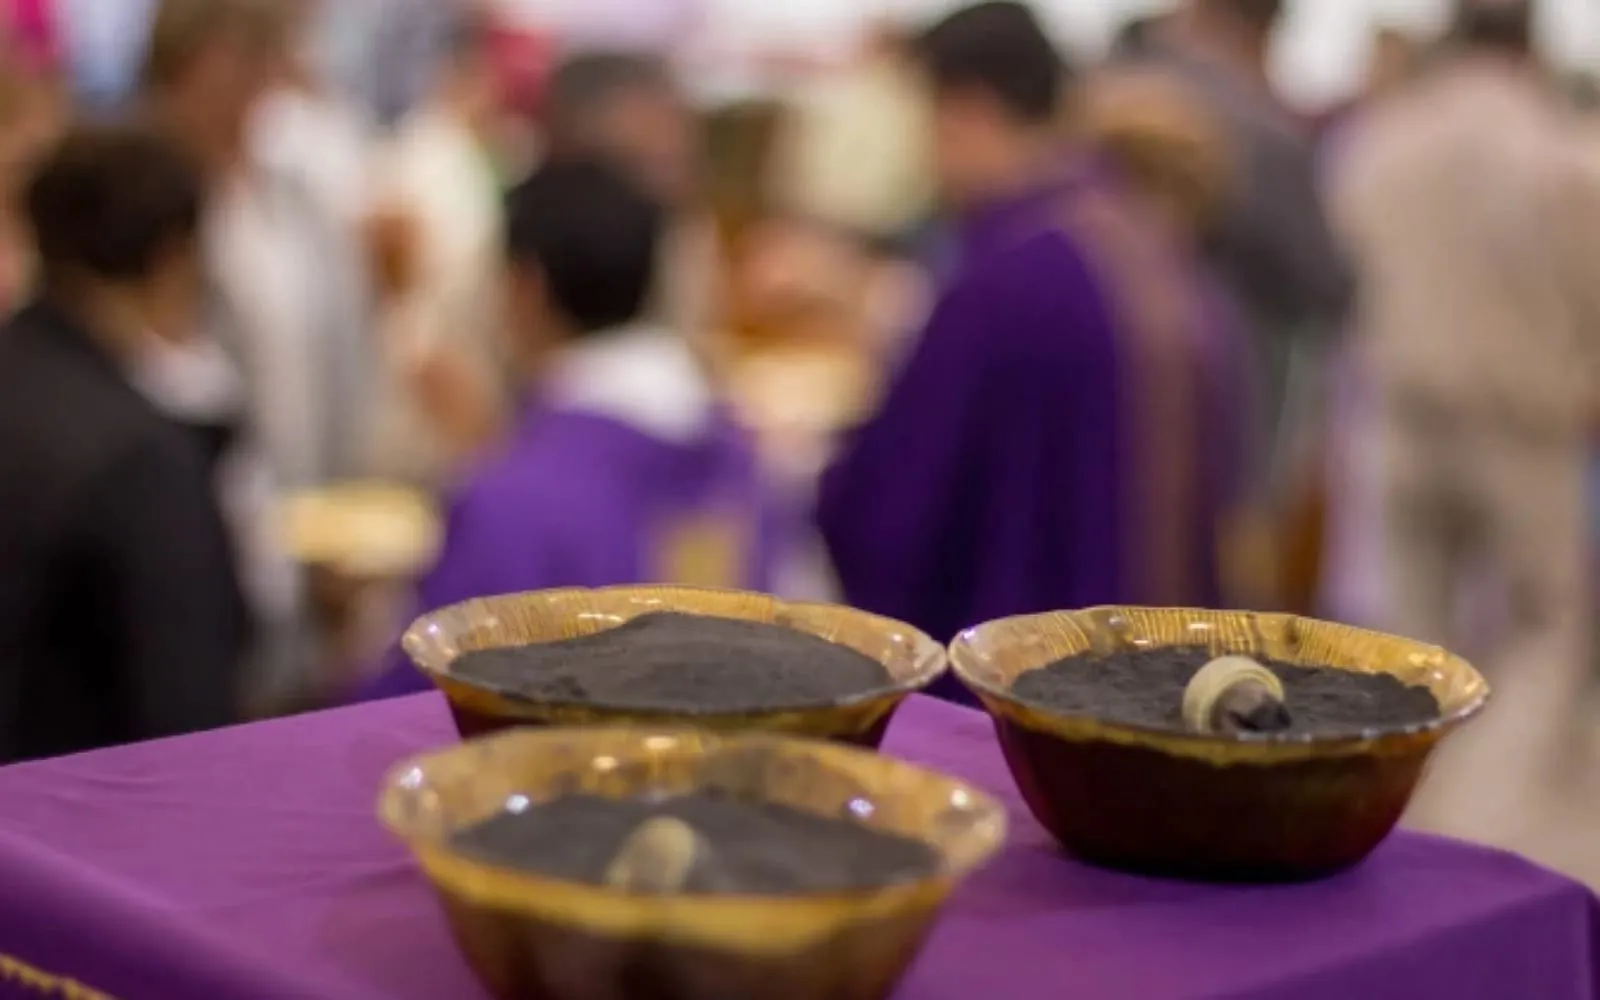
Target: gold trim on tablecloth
{"points": [[18, 972]]}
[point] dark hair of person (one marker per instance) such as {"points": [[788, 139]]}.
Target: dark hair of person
{"points": [[592, 236], [998, 47], [1501, 25], [111, 200], [582, 85]]}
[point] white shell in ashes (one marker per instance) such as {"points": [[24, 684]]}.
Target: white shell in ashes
{"points": [[1216, 679], [656, 858]]}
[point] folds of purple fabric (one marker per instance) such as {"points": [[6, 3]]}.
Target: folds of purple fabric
{"points": [[86, 935]]}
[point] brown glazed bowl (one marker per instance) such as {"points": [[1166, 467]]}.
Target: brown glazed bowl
{"points": [[914, 660], [1228, 808], [531, 937]]}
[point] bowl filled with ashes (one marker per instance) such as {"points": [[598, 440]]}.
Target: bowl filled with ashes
{"points": [[714, 659], [1214, 745], [679, 864]]}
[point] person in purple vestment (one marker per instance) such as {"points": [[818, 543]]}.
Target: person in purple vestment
{"points": [[622, 468], [1043, 447]]}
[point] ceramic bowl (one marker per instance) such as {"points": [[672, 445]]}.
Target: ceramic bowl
{"points": [[363, 530], [913, 660], [1225, 808], [531, 937]]}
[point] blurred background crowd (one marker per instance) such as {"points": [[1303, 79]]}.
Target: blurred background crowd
{"points": [[947, 312]]}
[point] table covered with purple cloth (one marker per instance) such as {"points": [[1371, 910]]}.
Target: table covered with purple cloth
{"points": [[247, 864]]}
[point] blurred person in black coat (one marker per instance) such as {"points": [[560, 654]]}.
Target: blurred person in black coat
{"points": [[120, 613]]}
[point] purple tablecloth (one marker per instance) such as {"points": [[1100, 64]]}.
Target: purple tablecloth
{"points": [[247, 864]]}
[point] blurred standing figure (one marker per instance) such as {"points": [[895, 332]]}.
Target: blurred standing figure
{"points": [[307, 129], [627, 109], [443, 386], [120, 615], [1351, 584], [285, 307], [1272, 244], [1475, 224], [1042, 447], [287, 303]]}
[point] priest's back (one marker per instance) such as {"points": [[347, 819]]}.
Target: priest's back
{"points": [[1046, 446]]}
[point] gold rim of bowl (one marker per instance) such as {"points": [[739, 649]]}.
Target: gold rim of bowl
{"points": [[428, 798], [435, 640], [989, 659]]}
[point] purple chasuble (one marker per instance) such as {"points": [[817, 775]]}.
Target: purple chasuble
{"points": [[1044, 446], [577, 499]]}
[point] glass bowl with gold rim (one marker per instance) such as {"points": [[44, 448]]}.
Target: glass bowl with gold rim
{"points": [[435, 640], [364, 530], [533, 937], [1227, 808]]}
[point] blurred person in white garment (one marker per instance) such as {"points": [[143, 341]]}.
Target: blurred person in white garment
{"points": [[294, 304], [308, 129], [280, 355], [1474, 222], [435, 236]]}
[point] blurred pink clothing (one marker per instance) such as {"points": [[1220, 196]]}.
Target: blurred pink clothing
{"points": [[31, 26]]}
